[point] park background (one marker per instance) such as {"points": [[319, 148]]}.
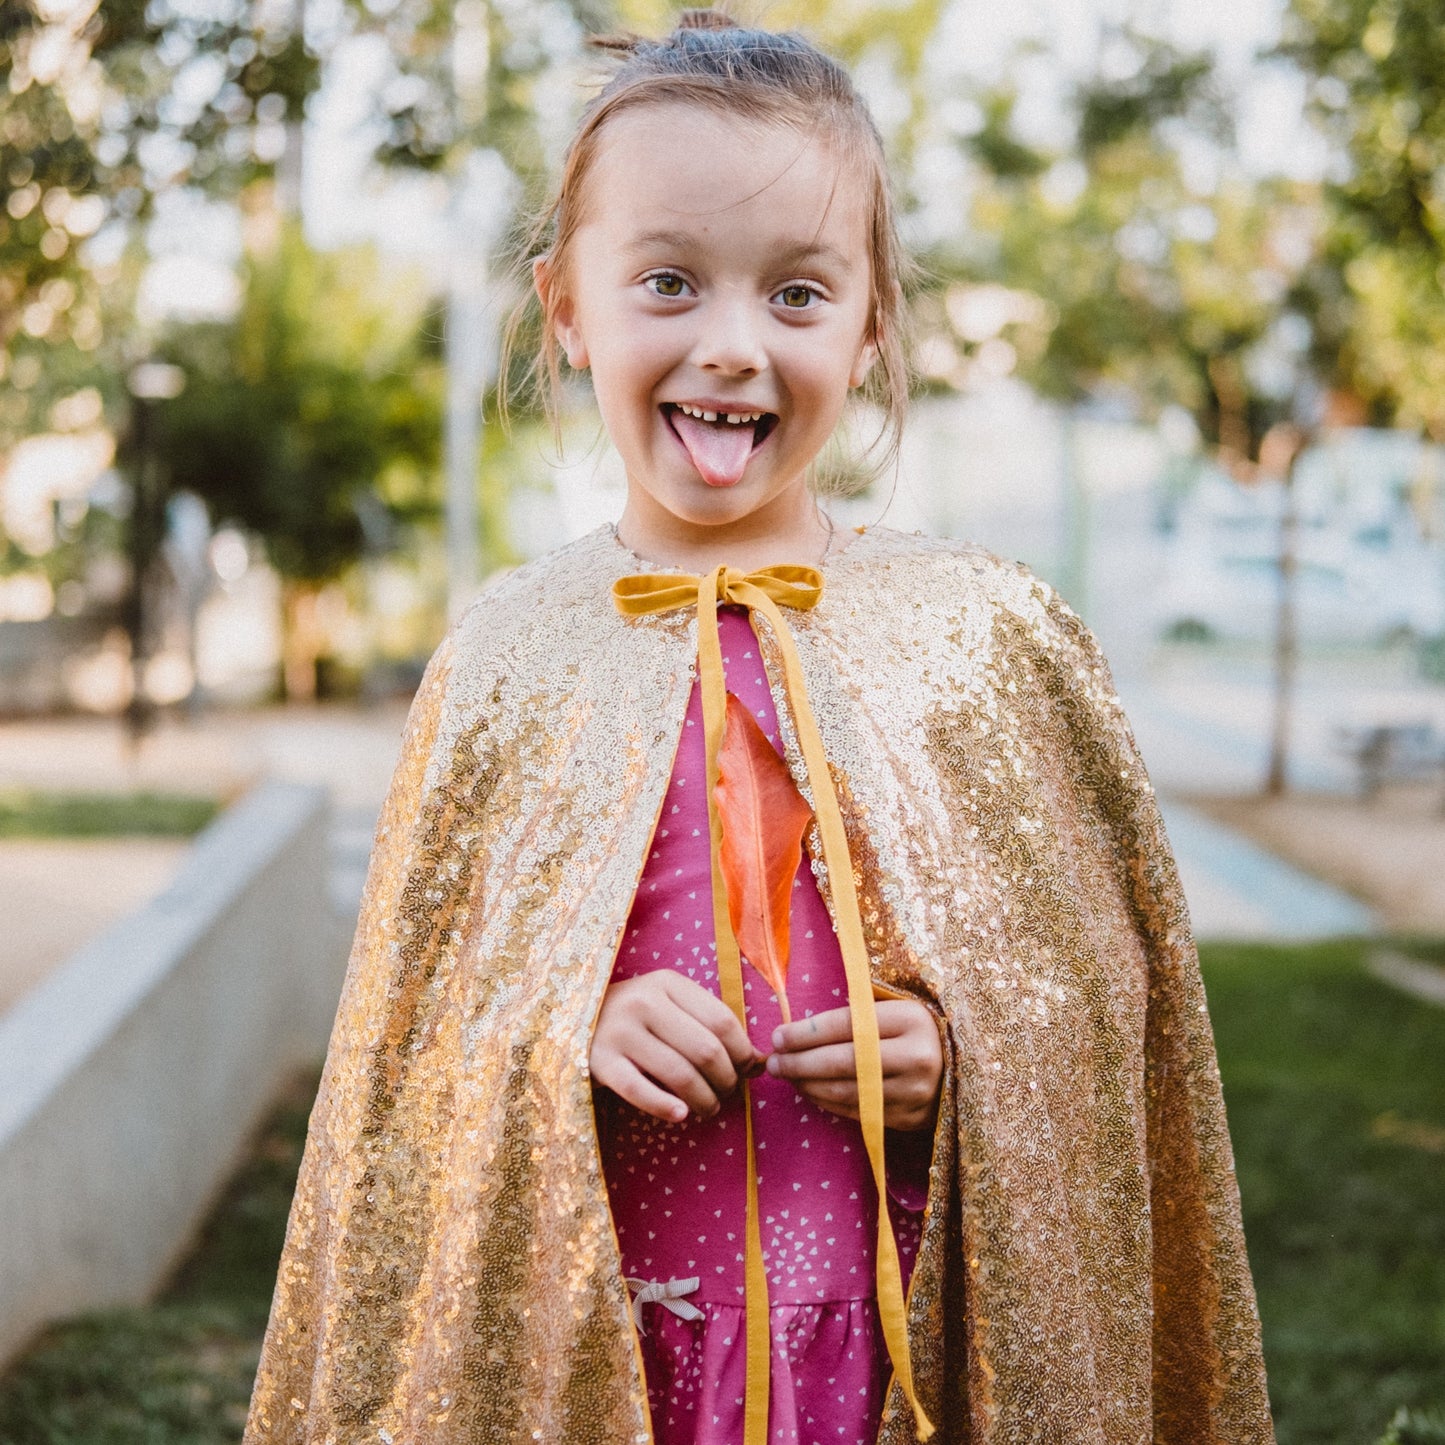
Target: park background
{"points": [[1180, 342]]}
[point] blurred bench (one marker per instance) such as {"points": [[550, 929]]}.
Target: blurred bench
{"points": [[1394, 753]]}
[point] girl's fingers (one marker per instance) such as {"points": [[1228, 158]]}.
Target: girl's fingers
{"points": [[903, 1112], [826, 1061], [896, 1019], [833, 1027], [628, 1082], [715, 1016], [675, 1072], [702, 1048], [902, 1057], [902, 1091]]}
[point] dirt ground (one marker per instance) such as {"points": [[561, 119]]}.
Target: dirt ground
{"points": [[1388, 851]]}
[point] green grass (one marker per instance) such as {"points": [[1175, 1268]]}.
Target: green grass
{"points": [[178, 1372], [102, 815], [1415, 1427], [1336, 1091]]}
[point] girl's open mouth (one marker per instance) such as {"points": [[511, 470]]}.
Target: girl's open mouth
{"points": [[720, 443]]}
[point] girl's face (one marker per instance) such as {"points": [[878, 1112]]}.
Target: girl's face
{"points": [[719, 290]]}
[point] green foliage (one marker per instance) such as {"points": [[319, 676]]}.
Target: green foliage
{"points": [[102, 108], [466, 77], [102, 815], [1127, 275], [1337, 1111], [995, 146], [46, 166], [143, 46], [313, 418], [1168, 85], [1376, 69]]}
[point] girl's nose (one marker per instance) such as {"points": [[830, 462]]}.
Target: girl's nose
{"points": [[730, 339]]}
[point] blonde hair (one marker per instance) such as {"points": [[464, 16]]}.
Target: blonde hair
{"points": [[758, 75]]}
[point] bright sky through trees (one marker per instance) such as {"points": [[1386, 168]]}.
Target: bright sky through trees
{"points": [[977, 40]]}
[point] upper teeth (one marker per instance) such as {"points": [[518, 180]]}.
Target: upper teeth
{"points": [[737, 418]]}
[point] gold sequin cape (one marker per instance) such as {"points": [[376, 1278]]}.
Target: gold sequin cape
{"points": [[451, 1273]]}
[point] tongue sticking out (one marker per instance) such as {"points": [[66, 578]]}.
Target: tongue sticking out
{"points": [[719, 450]]}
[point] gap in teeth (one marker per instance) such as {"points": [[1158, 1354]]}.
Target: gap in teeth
{"points": [[732, 418]]}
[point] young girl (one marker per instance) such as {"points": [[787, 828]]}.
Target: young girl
{"points": [[641, 1123]]}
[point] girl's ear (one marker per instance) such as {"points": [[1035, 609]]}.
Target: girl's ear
{"points": [[863, 364], [564, 320], [868, 352]]}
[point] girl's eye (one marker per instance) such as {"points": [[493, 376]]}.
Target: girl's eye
{"points": [[797, 297], [666, 284]]}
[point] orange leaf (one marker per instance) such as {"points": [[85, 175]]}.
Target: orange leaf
{"points": [[763, 819]]}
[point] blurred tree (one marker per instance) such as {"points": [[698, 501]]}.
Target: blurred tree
{"points": [[105, 105], [1137, 261], [110, 105], [48, 201], [1377, 71], [468, 99], [1122, 270], [312, 420]]}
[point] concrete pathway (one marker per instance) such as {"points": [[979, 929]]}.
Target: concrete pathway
{"points": [[1236, 889], [1238, 892], [57, 894]]}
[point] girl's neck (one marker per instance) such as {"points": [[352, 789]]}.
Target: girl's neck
{"points": [[807, 537]]}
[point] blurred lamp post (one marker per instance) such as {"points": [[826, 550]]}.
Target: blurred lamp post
{"points": [[482, 200], [148, 383], [1278, 452]]}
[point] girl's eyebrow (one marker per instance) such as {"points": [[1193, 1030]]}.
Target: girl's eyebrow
{"points": [[810, 252], [660, 240]]}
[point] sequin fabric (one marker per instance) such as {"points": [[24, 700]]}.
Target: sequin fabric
{"points": [[451, 1272]]}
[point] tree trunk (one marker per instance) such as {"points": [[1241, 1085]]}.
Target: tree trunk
{"points": [[303, 639], [1232, 396]]}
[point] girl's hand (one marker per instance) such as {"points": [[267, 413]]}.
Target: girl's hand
{"points": [[817, 1055], [667, 1045]]}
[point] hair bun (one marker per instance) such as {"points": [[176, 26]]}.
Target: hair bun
{"points": [[705, 20], [626, 43]]}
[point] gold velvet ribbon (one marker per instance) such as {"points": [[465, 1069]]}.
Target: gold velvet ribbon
{"points": [[764, 591]]}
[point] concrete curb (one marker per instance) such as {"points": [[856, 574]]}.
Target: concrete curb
{"points": [[1425, 981], [131, 1077]]}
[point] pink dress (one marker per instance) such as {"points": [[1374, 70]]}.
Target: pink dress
{"points": [[677, 1191]]}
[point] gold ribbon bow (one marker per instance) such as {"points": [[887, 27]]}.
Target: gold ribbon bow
{"points": [[763, 591]]}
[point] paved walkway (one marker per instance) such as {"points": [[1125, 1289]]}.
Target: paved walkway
{"points": [[1198, 741], [1237, 891], [56, 894], [1425, 981]]}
